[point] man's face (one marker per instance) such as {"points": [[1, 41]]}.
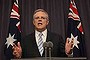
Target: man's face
{"points": [[40, 21]]}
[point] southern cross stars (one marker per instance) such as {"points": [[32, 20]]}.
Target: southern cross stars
{"points": [[76, 42], [10, 40]]}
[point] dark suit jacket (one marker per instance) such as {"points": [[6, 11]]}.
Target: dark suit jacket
{"points": [[30, 49]]}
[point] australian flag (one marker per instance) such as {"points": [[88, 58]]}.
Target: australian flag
{"points": [[14, 32], [75, 31]]}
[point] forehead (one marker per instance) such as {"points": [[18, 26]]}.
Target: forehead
{"points": [[40, 13]]}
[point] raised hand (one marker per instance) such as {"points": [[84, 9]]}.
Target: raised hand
{"points": [[68, 46], [17, 50]]}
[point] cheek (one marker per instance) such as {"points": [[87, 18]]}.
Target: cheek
{"points": [[35, 22], [45, 23]]}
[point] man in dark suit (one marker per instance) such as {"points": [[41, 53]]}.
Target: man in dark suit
{"points": [[30, 46]]}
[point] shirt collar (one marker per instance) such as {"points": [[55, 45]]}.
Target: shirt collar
{"points": [[43, 32]]}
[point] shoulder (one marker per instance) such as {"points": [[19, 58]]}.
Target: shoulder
{"points": [[28, 36], [53, 34], [31, 34]]}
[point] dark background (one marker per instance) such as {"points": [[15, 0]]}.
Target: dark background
{"points": [[58, 16]]}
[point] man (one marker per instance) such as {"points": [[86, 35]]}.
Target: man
{"points": [[29, 46]]}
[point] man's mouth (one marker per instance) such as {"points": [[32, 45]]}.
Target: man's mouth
{"points": [[39, 23]]}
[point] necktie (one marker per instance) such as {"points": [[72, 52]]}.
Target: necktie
{"points": [[40, 44]]}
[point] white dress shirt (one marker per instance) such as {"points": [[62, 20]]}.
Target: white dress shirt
{"points": [[44, 36]]}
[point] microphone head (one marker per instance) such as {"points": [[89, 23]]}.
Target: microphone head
{"points": [[45, 44], [50, 44]]}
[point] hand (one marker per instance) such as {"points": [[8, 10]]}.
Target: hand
{"points": [[17, 50], [68, 46]]}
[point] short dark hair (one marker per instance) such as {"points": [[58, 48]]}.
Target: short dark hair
{"points": [[42, 10]]}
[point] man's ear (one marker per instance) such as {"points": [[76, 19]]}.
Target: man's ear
{"points": [[47, 22], [33, 22]]}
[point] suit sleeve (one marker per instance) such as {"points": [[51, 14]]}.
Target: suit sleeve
{"points": [[62, 47]]}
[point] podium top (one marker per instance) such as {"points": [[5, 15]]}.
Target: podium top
{"points": [[54, 58]]}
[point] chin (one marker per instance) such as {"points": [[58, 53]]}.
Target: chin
{"points": [[41, 29]]}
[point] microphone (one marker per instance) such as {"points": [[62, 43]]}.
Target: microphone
{"points": [[50, 45], [45, 45]]}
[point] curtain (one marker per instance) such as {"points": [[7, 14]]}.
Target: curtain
{"points": [[84, 12], [57, 10], [58, 16], [5, 8]]}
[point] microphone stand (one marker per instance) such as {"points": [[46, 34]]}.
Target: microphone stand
{"points": [[50, 53], [50, 45], [45, 45], [45, 53]]}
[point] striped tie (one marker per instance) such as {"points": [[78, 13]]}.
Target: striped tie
{"points": [[40, 44]]}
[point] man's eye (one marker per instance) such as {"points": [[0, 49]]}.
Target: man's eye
{"points": [[36, 17], [43, 18], [40, 17]]}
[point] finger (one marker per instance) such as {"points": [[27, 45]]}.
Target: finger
{"points": [[71, 46], [72, 42], [14, 52], [14, 46], [19, 44], [67, 41]]}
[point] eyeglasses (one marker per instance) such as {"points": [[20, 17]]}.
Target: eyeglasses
{"points": [[40, 17]]}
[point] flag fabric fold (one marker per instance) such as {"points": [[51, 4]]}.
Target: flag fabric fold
{"points": [[14, 32], [75, 31]]}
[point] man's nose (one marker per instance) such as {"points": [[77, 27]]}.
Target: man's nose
{"points": [[39, 20]]}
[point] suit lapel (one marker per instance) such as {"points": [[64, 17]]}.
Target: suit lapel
{"points": [[48, 36], [47, 39], [34, 41], [35, 45]]}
